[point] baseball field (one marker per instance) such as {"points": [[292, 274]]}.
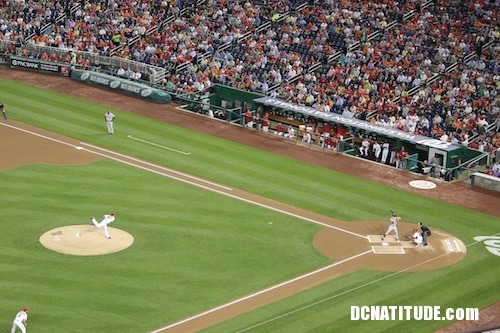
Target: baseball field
{"points": [[226, 237]]}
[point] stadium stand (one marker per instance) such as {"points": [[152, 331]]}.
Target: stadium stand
{"points": [[428, 67]]}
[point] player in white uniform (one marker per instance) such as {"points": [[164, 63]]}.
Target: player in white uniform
{"points": [[104, 223], [109, 117], [291, 132], [365, 145], [377, 149], [393, 221], [20, 321], [417, 237], [385, 152]]}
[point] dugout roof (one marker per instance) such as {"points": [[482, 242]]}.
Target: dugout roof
{"points": [[359, 124]]}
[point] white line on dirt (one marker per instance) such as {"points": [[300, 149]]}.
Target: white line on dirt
{"points": [[158, 145], [239, 300], [346, 292]]}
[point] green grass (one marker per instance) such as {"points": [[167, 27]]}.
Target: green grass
{"points": [[195, 249]]}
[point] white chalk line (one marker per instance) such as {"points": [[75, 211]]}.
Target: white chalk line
{"points": [[158, 145], [348, 291], [239, 300]]}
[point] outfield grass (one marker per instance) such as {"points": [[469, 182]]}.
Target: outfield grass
{"points": [[195, 249]]}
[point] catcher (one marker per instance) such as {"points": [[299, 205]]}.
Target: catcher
{"points": [[417, 237], [426, 232]]}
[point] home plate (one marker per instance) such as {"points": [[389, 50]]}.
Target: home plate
{"points": [[388, 250], [378, 238]]}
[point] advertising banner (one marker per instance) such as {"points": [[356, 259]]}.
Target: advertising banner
{"points": [[38, 65]]}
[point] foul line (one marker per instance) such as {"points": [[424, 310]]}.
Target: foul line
{"points": [[349, 291], [157, 145], [239, 300]]}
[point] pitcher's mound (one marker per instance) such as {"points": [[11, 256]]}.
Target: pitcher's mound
{"points": [[85, 240]]}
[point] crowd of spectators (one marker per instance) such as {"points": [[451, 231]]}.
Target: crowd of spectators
{"points": [[271, 44]]}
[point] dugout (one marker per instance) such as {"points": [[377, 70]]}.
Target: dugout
{"points": [[423, 150]]}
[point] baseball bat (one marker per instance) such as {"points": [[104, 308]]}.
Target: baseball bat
{"points": [[392, 212]]}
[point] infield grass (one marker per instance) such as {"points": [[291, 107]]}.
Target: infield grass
{"points": [[194, 249]]}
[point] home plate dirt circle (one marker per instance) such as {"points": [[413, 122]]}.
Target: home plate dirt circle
{"points": [[390, 254], [85, 240]]}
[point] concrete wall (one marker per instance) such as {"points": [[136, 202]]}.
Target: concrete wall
{"points": [[485, 181]]}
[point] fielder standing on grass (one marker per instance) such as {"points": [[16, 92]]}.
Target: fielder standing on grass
{"points": [[4, 114], [393, 221], [20, 321], [104, 223], [109, 117]]}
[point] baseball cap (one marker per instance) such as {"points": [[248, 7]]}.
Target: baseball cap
{"points": [[26, 309], [112, 213]]}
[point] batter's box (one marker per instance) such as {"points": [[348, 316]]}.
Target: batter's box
{"points": [[378, 239], [388, 250]]}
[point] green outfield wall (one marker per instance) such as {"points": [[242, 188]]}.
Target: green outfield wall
{"points": [[121, 85]]}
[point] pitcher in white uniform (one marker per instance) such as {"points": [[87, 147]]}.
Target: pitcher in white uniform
{"points": [[20, 321], [104, 223]]}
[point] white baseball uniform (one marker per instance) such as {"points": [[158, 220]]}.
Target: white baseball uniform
{"points": [[365, 145], [109, 117], [377, 149], [385, 152], [19, 320], [393, 221], [417, 238], [104, 223]]}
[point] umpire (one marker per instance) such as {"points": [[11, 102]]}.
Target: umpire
{"points": [[426, 232]]}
